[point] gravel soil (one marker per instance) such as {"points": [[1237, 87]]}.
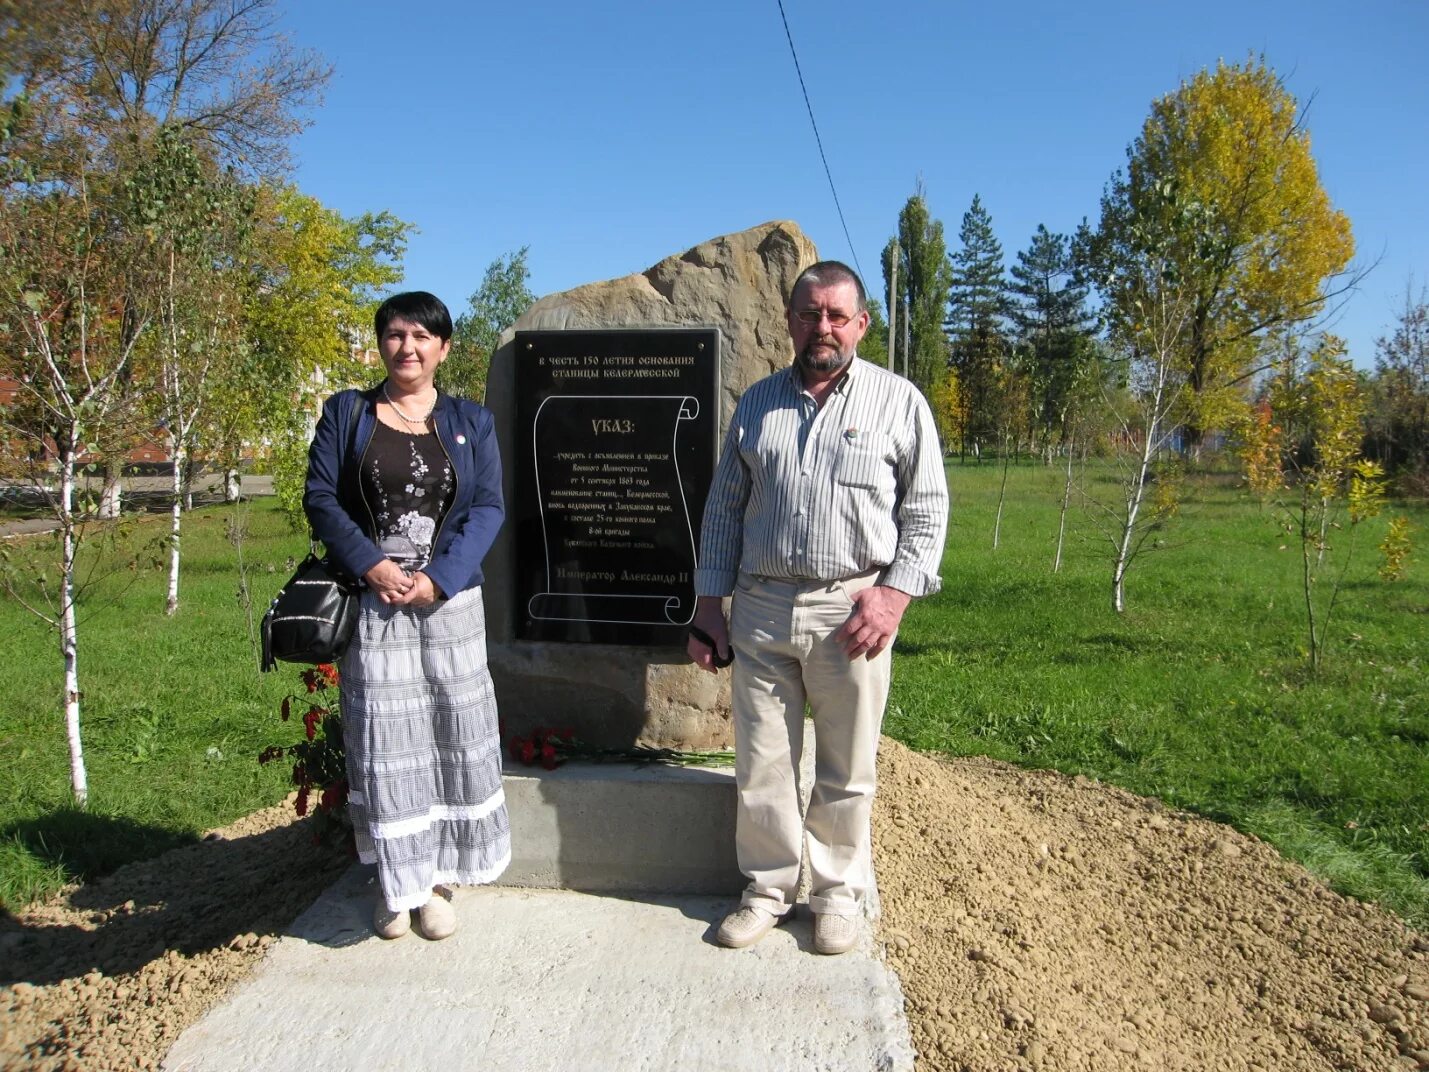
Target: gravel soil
{"points": [[1043, 922], [107, 975], [1037, 922]]}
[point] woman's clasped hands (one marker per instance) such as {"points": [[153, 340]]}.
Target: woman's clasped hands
{"points": [[398, 588]]}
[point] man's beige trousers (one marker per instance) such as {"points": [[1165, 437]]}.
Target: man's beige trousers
{"points": [[785, 656]]}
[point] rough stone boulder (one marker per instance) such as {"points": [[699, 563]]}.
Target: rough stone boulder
{"points": [[618, 695]]}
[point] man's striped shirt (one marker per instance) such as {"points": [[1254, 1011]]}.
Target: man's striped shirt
{"points": [[809, 493]]}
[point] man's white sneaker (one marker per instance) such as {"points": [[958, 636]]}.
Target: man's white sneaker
{"points": [[745, 926], [833, 933]]}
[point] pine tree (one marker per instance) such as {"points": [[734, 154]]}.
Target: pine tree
{"points": [[976, 327], [977, 299], [1399, 422], [1049, 313]]}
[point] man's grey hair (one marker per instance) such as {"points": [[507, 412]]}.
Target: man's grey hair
{"points": [[827, 273]]}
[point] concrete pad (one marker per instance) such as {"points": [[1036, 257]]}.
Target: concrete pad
{"points": [[550, 980], [619, 827]]}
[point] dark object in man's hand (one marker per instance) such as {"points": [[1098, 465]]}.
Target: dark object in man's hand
{"points": [[704, 638]]}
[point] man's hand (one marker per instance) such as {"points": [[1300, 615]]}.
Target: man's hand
{"points": [[389, 581], [709, 616], [874, 621], [422, 593]]}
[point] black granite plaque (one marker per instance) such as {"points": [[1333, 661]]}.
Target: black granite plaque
{"points": [[616, 433]]}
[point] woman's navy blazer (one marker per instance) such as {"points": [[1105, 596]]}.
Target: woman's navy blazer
{"points": [[341, 518]]}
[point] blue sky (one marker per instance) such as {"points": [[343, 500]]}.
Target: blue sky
{"points": [[608, 136]]}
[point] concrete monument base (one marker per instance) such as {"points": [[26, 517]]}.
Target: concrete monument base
{"points": [[601, 827]]}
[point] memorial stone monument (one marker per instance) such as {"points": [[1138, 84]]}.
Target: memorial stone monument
{"points": [[610, 402]]}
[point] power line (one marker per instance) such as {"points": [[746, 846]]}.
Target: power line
{"points": [[818, 140]]}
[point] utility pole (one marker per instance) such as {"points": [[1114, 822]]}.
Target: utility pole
{"points": [[892, 316]]}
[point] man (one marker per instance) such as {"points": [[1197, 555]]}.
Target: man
{"points": [[826, 517]]}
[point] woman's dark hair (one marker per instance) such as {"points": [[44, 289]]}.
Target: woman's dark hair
{"points": [[418, 307]]}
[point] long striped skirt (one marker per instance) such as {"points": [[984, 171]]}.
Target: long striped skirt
{"points": [[423, 749]]}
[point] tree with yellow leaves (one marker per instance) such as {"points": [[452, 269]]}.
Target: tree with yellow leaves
{"points": [[1318, 474], [1263, 250], [950, 410], [314, 281]]}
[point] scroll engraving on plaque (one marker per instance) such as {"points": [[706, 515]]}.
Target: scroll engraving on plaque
{"points": [[610, 503]]}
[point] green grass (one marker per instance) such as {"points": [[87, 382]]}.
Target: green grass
{"points": [[173, 710], [1200, 693]]}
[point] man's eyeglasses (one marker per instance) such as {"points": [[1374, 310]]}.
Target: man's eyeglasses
{"points": [[813, 316]]}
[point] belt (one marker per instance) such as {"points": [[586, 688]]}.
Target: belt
{"points": [[815, 582]]}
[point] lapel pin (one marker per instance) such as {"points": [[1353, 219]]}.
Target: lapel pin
{"points": [[461, 439], [850, 434]]}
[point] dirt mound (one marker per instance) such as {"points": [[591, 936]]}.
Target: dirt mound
{"points": [[1038, 923], [1045, 923], [107, 975]]}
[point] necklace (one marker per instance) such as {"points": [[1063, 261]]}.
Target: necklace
{"points": [[420, 422]]}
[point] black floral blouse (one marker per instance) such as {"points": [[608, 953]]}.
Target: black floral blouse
{"points": [[407, 482]]}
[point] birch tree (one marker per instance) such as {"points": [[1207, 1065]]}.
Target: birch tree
{"points": [[68, 337], [217, 71], [1148, 310], [84, 87], [194, 221]]}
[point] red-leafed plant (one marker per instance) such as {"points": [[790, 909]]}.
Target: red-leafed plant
{"points": [[319, 763]]}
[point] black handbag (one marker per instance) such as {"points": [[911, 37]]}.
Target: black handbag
{"points": [[312, 617]]}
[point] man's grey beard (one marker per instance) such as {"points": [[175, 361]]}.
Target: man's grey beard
{"points": [[830, 363]]}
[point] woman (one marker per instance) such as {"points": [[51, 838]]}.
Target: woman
{"points": [[404, 490]]}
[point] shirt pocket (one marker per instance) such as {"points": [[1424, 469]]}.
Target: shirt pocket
{"points": [[865, 461]]}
